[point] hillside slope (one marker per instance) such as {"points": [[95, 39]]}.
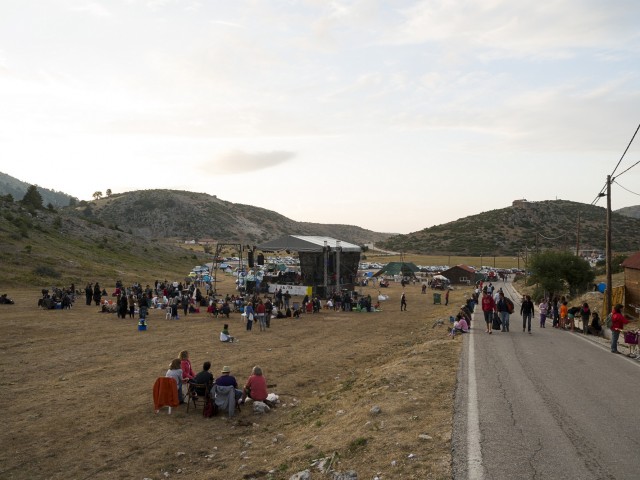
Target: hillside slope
{"points": [[633, 212], [525, 225], [190, 215]]}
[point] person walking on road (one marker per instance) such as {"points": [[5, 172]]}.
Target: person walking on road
{"points": [[488, 307], [503, 311], [617, 324], [527, 312], [543, 308]]}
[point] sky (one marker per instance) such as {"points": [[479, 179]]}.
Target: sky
{"points": [[390, 115]]}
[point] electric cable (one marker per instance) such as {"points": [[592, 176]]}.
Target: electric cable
{"points": [[635, 193]]}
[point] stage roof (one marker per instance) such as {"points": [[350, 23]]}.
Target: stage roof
{"points": [[306, 243]]}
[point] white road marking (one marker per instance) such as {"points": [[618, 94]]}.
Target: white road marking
{"points": [[474, 452]]}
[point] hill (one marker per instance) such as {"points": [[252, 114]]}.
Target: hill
{"points": [[524, 225], [189, 215], [633, 212], [17, 188]]}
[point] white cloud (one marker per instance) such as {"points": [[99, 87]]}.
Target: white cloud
{"points": [[237, 161], [92, 8]]}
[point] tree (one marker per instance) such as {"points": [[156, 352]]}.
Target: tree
{"points": [[32, 198], [555, 271], [97, 195], [108, 192]]}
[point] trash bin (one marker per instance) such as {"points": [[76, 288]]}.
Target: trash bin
{"points": [[436, 298]]}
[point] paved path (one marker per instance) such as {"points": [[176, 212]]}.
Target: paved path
{"points": [[550, 405]]}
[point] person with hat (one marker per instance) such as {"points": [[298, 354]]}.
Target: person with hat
{"points": [[228, 380]]}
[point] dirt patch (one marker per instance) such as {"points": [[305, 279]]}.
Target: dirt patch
{"points": [[77, 393]]}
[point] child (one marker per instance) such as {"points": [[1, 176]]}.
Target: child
{"points": [[224, 335], [543, 312]]}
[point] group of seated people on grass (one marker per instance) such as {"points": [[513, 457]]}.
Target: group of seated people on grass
{"points": [[221, 388]]}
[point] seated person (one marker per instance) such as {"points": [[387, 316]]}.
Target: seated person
{"points": [[224, 334], [461, 325], [205, 377], [256, 386], [175, 372], [228, 380], [288, 313], [595, 328]]}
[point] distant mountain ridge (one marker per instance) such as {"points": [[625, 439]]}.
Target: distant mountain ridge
{"points": [[524, 226], [17, 188]]}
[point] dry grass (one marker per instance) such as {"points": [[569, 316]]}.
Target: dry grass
{"points": [[77, 393]]}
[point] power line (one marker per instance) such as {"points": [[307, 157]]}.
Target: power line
{"points": [[625, 151], [625, 171], [601, 193], [625, 188]]}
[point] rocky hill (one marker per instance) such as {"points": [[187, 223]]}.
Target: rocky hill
{"points": [[188, 215], [633, 212], [524, 225]]}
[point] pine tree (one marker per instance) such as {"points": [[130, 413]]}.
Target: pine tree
{"points": [[32, 198]]}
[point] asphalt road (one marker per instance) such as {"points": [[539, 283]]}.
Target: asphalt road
{"points": [[544, 406]]}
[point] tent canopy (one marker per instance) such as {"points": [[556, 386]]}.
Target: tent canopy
{"points": [[306, 243], [406, 269]]}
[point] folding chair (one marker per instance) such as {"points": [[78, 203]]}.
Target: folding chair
{"points": [[198, 393], [165, 393]]}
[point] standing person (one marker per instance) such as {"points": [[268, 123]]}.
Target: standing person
{"points": [[446, 297], [256, 386], [564, 313], [488, 307], [585, 313], [543, 308], [617, 324], [503, 311], [287, 299], [185, 304], [403, 302], [268, 311], [261, 311], [248, 312], [556, 312], [97, 294], [88, 293], [527, 312], [132, 305]]}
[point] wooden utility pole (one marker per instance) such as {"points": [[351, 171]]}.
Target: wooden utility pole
{"points": [[578, 237], [609, 294]]}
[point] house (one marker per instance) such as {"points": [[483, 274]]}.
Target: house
{"points": [[631, 267], [460, 274]]}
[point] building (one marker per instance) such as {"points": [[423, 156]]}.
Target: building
{"points": [[632, 284], [460, 274]]}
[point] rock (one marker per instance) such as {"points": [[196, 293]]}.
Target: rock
{"points": [[303, 475], [411, 455], [340, 412], [424, 436], [260, 407], [179, 454], [393, 463], [349, 475], [375, 410]]}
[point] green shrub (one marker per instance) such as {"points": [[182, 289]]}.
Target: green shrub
{"points": [[46, 271]]}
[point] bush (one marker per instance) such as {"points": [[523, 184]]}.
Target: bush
{"points": [[46, 271]]}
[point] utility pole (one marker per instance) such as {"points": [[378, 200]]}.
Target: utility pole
{"points": [[578, 237], [607, 260]]}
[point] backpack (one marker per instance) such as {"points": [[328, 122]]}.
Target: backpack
{"points": [[608, 321], [509, 304], [210, 409]]}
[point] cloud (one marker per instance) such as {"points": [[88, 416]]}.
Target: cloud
{"points": [[92, 8], [237, 161]]}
